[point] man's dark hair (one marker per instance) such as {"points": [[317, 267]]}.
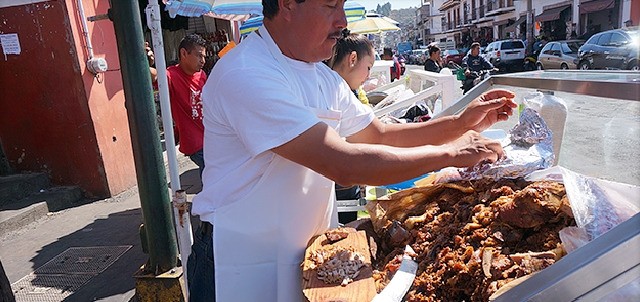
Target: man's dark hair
{"points": [[351, 42], [475, 45], [270, 8], [190, 41], [387, 52], [433, 49]]}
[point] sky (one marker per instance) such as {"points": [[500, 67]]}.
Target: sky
{"points": [[395, 4]]}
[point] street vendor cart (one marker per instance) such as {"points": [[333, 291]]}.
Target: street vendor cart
{"points": [[598, 140]]}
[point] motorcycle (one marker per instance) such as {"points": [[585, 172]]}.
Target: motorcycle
{"points": [[530, 61], [475, 77]]}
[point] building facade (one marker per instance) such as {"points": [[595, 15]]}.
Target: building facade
{"points": [[58, 117], [458, 23]]}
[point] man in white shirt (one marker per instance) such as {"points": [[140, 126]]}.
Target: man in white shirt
{"points": [[275, 121]]}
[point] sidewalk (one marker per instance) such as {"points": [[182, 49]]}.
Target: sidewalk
{"points": [[103, 235]]}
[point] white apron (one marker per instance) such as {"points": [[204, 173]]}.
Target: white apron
{"points": [[259, 241]]}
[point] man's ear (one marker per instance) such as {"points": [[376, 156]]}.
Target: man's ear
{"points": [[285, 7], [182, 53]]}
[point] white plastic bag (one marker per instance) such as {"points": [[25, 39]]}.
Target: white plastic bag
{"points": [[598, 205]]}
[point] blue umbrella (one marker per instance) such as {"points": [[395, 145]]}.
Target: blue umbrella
{"points": [[195, 8], [353, 10]]}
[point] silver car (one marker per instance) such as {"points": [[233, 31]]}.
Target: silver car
{"points": [[559, 55]]}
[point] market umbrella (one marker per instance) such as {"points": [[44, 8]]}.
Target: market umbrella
{"points": [[373, 24], [196, 8], [353, 10]]}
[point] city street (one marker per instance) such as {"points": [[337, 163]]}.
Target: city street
{"points": [[105, 227]]}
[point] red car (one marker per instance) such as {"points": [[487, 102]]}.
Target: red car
{"points": [[452, 55]]}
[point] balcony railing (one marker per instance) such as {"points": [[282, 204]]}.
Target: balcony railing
{"points": [[491, 5]]}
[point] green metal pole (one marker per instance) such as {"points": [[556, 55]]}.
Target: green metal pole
{"points": [[147, 154]]}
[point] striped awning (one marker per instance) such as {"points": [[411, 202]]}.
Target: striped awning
{"points": [[195, 8], [551, 14], [352, 10]]}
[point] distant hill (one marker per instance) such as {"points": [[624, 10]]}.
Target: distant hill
{"points": [[405, 16]]}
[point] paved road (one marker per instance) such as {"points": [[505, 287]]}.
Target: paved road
{"points": [[601, 137]]}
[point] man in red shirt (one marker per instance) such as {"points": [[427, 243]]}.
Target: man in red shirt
{"points": [[185, 87]]}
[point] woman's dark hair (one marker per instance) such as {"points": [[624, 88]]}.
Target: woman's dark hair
{"points": [[433, 49], [270, 8], [348, 43]]}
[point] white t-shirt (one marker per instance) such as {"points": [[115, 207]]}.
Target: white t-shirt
{"points": [[252, 104]]}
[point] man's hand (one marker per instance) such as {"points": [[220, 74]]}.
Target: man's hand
{"points": [[472, 148], [150, 56], [489, 108]]}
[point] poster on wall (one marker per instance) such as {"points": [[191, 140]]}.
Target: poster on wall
{"points": [[10, 44]]}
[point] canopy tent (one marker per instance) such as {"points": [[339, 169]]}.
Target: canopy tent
{"points": [[353, 10], [551, 14], [196, 8], [596, 6], [373, 24], [512, 27]]}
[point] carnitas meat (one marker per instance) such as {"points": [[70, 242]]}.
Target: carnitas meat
{"points": [[470, 238]]}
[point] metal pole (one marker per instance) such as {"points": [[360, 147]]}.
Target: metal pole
{"points": [[529, 27], [147, 154], [180, 213]]}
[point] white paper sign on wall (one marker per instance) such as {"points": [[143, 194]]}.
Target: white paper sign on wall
{"points": [[10, 44]]}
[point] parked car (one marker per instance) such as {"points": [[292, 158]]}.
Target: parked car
{"points": [[505, 54], [418, 56], [612, 49], [559, 55], [452, 55]]}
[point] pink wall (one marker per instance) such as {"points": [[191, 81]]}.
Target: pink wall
{"points": [[54, 115], [106, 99]]}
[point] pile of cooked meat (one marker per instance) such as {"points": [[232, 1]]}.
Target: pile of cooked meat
{"points": [[470, 238]]}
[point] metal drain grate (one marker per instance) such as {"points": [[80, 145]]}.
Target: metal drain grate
{"points": [[66, 273], [83, 260], [48, 288]]}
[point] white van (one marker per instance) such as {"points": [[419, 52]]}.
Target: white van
{"points": [[505, 54]]}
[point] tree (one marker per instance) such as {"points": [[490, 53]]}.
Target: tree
{"points": [[384, 10]]}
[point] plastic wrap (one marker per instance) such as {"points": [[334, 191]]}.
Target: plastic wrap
{"points": [[528, 148], [598, 206]]}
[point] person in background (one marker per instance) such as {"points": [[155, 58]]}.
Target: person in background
{"points": [[186, 80], [387, 55], [285, 127], [473, 63], [434, 62], [353, 57]]}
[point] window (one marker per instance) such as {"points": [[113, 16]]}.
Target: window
{"points": [[604, 39], [570, 48], [512, 44], [593, 39], [547, 49], [617, 39]]}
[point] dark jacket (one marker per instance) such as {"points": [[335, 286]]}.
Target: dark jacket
{"points": [[431, 65], [476, 63]]}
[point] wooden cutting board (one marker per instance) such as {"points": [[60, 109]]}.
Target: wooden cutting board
{"points": [[361, 289]]}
